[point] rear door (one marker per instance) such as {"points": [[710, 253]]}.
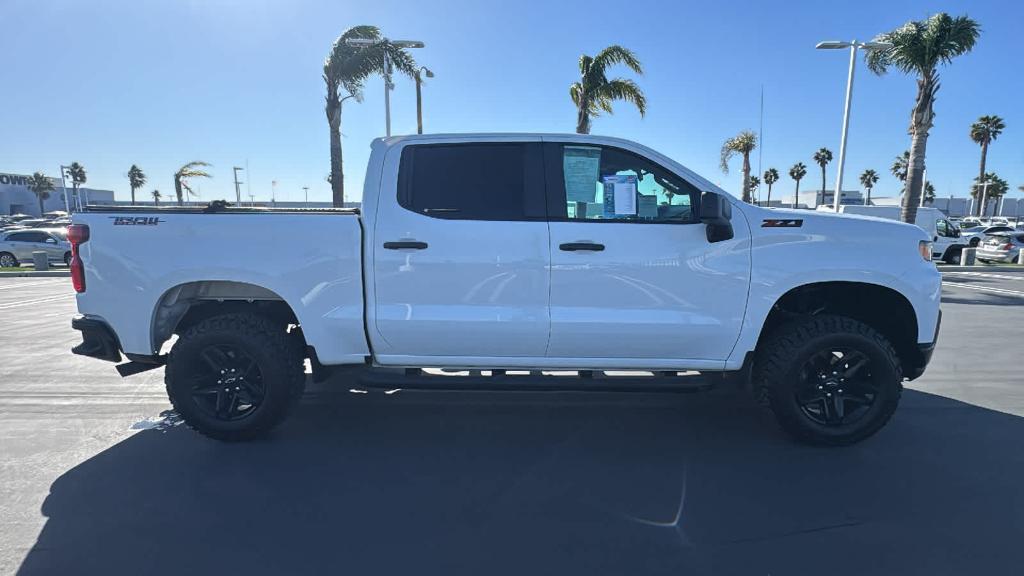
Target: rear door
{"points": [[460, 255], [634, 280]]}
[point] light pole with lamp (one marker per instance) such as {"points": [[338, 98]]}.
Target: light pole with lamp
{"points": [[388, 85], [306, 190], [853, 46], [64, 188], [984, 191], [238, 192], [419, 97]]}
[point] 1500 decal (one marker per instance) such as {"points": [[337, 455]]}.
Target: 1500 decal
{"points": [[136, 220]]}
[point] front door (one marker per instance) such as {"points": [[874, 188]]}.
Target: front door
{"points": [[461, 255], [634, 280]]}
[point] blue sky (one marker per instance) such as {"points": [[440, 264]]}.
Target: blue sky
{"points": [[161, 83]]}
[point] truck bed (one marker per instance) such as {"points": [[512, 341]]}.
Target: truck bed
{"points": [[140, 261]]}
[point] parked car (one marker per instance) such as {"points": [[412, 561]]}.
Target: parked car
{"points": [[974, 235], [1001, 247], [17, 246], [512, 252], [947, 242]]}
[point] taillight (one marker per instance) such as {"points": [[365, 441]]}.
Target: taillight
{"points": [[78, 234], [1007, 246]]}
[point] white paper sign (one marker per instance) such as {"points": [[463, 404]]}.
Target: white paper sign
{"points": [[625, 198], [581, 167]]}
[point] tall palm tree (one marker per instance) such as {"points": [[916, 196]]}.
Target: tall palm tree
{"points": [[771, 176], [918, 47], [78, 177], [346, 69], [868, 179], [797, 172], [40, 185], [900, 165], [594, 92], [983, 132], [742, 143], [754, 183], [822, 157], [136, 179], [193, 169], [156, 197]]}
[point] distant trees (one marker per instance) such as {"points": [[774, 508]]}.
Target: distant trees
{"points": [[78, 177], [868, 179], [983, 132], [797, 172], [983, 195], [136, 180], [156, 197], [743, 144], [40, 185], [594, 92], [900, 166], [193, 169], [918, 48], [771, 176], [822, 157]]}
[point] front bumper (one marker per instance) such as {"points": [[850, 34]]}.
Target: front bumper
{"points": [[914, 368], [98, 340]]}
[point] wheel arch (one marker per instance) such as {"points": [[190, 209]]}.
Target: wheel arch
{"points": [[189, 303], [881, 307]]}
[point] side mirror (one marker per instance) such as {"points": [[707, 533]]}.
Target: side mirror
{"points": [[716, 214]]}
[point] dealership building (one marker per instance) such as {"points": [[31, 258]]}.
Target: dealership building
{"points": [[16, 198]]}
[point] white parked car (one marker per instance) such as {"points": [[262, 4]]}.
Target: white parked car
{"points": [[975, 235], [17, 246], [1001, 247], [512, 252]]}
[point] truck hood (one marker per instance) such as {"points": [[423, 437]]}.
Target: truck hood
{"points": [[832, 226]]}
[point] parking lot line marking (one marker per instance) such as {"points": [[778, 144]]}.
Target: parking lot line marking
{"points": [[989, 275], [1000, 291], [27, 284], [10, 305]]}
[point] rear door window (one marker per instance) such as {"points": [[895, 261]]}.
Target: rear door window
{"points": [[478, 181]]}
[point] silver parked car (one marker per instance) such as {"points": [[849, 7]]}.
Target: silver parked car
{"points": [[17, 246], [1001, 247]]}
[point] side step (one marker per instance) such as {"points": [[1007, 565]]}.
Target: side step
{"points": [[499, 380]]}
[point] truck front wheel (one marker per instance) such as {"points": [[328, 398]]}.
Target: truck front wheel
{"points": [[830, 380], [232, 377]]}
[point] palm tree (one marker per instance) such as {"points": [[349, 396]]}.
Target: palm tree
{"points": [[156, 197], [797, 172], [996, 188], [594, 92], [193, 169], [900, 166], [918, 47], [742, 143], [77, 174], [754, 183], [822, 157], [868, 179], [983, 132], [40, 185], [771, 176], [136, 179], [346, 69]]}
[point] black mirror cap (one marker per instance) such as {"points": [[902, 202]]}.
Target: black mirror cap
{"points": [[716, 214]]}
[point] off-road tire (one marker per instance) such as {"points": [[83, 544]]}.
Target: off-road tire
{"points": [[278, 360], [785, 351]]}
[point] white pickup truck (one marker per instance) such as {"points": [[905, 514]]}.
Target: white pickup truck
{"points": [[512, 252]]}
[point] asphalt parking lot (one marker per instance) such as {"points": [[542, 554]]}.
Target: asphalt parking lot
{"points": [[93, 480]]}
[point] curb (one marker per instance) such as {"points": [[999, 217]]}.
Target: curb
{"points": [[35, 274]]}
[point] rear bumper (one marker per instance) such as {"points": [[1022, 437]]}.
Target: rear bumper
{"points": [[98, 340], [998, 255]]}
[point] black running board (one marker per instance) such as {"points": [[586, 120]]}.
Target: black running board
{"points": [[534, 382]]}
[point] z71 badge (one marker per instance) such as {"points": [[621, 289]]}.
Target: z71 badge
{"points": [[136, 220]]}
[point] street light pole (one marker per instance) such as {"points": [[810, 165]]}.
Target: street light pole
{"points": [[388, 85], [64, 189], [238, 192], [853, 46], [419, 96], [306, 190]]}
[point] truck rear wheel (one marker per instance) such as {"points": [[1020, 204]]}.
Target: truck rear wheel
{"points": [[233, 377], [830, 380]]}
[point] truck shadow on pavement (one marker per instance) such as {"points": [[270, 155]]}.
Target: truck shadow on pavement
{"points": [[528, 483]]}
